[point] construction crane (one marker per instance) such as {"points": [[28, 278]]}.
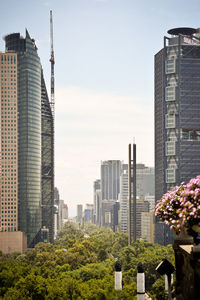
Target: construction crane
{"points": [[52, 61]]}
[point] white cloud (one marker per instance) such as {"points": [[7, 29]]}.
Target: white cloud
{"points": [[93, 126]]}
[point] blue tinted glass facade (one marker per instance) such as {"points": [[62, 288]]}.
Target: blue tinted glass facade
{"points": [[29, 134]]}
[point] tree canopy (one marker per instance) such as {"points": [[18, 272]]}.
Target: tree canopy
{"points": [[80, 265]]}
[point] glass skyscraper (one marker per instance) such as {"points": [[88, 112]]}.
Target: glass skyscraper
{"points": [[34, 125]]}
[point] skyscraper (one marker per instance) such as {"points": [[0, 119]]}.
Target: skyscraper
{"points": [[97, 200], [145, 181], [79, 213], [123, 198], [23, 96], [132, 214], [177, 115], [110, 188], [145, 194], [110, 179]]}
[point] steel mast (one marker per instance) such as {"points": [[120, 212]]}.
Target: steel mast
{"points": [[52, 61]]}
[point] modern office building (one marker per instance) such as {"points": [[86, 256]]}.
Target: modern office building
{"points": [[79, 213], [62, 213], [144, 187], [115, 210], [23, 122], [106, 212], [123, 198], [141, 207], [110, 188], [56, 212], [97, 200], [145, 181], [132, 192], [88, 213], [151, 200], [110, 179], [177, 115], [147, 226]]}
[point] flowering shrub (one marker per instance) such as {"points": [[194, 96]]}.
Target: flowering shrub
{"points": [[180, 207]]}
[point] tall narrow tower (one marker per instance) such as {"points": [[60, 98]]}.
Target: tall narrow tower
{"points": [[131, 194]]}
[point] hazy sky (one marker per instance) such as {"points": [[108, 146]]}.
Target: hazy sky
{"points": [[104, 53]]}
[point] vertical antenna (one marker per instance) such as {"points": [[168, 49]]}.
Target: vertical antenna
{"points": [[52, 61]]}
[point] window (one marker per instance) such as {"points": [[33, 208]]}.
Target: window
{"points": [[170, 66], [170, 93], [170, 121], [170, 175], [189, 134], [170, 148]]}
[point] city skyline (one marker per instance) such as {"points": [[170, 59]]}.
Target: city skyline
{"points": [[104, 79]]}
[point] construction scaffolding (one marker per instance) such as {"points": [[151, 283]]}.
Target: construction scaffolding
{"points": [[48, 150], [47, 164]]}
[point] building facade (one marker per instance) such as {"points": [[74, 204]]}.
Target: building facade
{"points": [[88, 213], [177, 115], [79, 213], [9, 143], [62, 213], [110, 179], [21, 100], [97, 200], [145, 181], [123, 198], [147, 226]]}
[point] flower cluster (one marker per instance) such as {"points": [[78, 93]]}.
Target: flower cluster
{"points": [[180, 207]]}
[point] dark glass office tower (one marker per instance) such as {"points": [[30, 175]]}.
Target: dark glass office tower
{"points": [[34, 125], [177, 115]]}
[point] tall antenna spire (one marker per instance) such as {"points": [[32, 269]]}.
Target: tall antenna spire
{"points": [[52, 61]]}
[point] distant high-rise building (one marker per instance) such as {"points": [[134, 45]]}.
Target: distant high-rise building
{"points": [[56, 211], [177, 115], [110, 179], [115, 216], [151, 200], [110, 188], [24, 203], [132, 191], [123, 198], [145, 191], [106, 212], [63, 212], [145, 181], [79, 213], [56, 196], [97, 200], [141, 206], [89, 213], [147, 226]]}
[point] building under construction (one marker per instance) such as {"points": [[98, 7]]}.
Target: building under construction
{"points": [[47, 165], [177, 115]]}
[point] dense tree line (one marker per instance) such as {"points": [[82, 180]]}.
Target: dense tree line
{"points": [[80, 265]]}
